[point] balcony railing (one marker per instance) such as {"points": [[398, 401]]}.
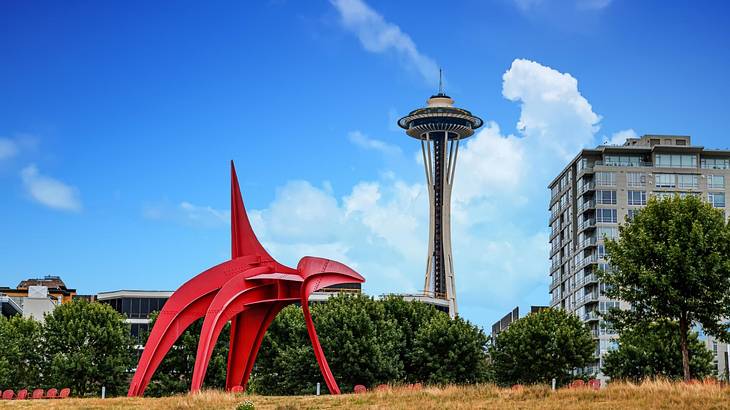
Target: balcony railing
{"points": [[585, 261], [589, 186], [586, 205], [588, 223], [591, 241], [556, 263], [591, 316], [595, 333], [555, 282], [623, 164]]}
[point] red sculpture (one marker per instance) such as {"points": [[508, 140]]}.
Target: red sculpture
{"points": [[249, 290]]}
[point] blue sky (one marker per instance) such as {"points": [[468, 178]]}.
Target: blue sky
{"points": [[117, 121]]}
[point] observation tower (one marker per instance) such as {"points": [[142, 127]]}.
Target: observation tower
{"points": [[440, 126]]}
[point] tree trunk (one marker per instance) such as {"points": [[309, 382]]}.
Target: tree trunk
{"points": [[683, 331]]}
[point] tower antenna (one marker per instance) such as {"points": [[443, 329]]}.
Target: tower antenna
{"points": [[441, 83]]}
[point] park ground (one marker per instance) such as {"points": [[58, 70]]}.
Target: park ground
{"points": [[649, 395]]}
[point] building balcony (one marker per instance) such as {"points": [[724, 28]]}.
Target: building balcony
{"points": [[623, 164], [556, 263], [586, 261], [587, 224], [555, 282], [595, 333], [591, 316], [587, 187], [587, 243], [585, 206]]}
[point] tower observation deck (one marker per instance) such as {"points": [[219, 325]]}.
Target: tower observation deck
{"points": [[440, 126]]}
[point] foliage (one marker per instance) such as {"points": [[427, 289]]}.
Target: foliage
{"points": [[21, 357], [87, 346], [539, 347], [672, 262], [450, 351], [246, 405], [175, 373], [369, 342], [652, 350]]}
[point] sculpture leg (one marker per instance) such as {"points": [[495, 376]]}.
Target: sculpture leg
{"points": [[230, 301], [324, 367], [168, 328], [247, 332]]}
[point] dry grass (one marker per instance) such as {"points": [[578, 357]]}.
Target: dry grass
{"points": [[649, 395]]}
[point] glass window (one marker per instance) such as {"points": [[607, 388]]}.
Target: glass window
{"points": [[126, 310], [622, 160], [632, 214], [635, 179], [637, 197], [717, 199], [665, 180], [676, 161], [688, 181], [715, 163], [610, 232], [606, 215], [606, 197], [606, 178], [716, 181]]}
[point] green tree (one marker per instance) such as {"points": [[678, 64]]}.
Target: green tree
{"points": [[449, 351], [175, 373], [672, 262], [539, 347], [360, 342], [21, 356], [652, 350], [87, 345], [410, 317]]}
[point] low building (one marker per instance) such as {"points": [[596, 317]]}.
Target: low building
{"points": [[136, 306], [35, 297], [502, 324]]}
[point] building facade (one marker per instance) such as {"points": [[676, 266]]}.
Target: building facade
{"points": [[136, 306], [33, 298], [605, 186]]}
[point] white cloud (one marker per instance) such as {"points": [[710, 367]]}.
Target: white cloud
{"points": [[553, 111], [205, 215], [618, 138], [8, 148], [50, 192], [363, 141], [379, 36]]}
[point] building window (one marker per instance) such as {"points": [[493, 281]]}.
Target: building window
{"points": [[665, 180], [635, 179], [715, 163], [606, 178], [622, 160], [717, 199], [637, 197], [606, 215], [676, 161], [688, 181], [664, 195], [606, 197], [601, 250], [608, 232], [716, 182], [631, 214]]}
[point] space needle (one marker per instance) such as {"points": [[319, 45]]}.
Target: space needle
{"points": [[440, 126]]}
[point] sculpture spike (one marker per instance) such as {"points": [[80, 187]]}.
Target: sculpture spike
{"points": [[243, 239]]}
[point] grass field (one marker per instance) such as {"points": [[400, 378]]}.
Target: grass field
{"points": [[650, 395]]}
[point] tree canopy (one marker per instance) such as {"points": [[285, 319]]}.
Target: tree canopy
{"points": [[652, 350], [539, 347], [672, 262]]}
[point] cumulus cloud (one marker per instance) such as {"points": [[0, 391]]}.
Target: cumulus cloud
{"points": [[8, 148], [553, 111], [363, 141], [380, 36], [618, 138], [49, 191]]}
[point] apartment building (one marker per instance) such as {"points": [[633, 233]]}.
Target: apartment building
{"points": [[605, 186]]}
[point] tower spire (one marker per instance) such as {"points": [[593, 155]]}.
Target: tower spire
{"points": [[441, 83]]}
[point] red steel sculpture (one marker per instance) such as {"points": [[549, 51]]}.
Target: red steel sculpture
{"points": [[249, 290]]}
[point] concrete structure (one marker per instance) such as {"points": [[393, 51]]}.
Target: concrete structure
{"points": [[136, 306], [601, 187], [720, 351], [502, 324], [35, 297], [440, 127]]}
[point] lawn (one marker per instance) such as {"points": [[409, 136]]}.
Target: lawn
{"points": [[656, 395]]}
